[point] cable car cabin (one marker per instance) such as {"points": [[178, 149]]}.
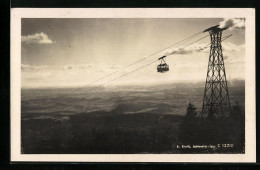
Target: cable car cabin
{"points": [[162, 68]]}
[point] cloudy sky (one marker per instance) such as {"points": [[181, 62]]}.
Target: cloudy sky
{"points": [[75, 52]]}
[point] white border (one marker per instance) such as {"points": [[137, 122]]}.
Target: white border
{"points": [[18, 13]]}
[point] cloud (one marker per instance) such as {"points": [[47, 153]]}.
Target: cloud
{"points": [[191, 65], [103, 67], [235, 60], [38, 38], [188, 50], [233, 49], [66, 75], [233, 54], [115, 67], [233, 23], [200, 48], [32, 67]]}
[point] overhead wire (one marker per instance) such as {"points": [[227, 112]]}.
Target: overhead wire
{"points": [[223, 39], [108, 83], [188, 38], [189, 44], [135, 70], [131, 64]]}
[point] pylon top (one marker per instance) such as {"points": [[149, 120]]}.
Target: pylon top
{"points": [[215, 29]]}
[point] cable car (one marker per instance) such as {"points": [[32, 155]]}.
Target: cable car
{"points": [[162, 67]]}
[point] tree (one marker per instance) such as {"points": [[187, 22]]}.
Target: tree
{"points": [[189, 126], [191, 111], [236, 112]]}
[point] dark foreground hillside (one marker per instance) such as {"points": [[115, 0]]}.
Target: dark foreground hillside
{"points": [[120, 121], [102, 133], [109, 133]]}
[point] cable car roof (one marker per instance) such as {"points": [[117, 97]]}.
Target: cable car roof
{"points": [[162, 57]]}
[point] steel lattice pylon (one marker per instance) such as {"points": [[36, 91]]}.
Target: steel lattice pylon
{"points": [[216, 96]]}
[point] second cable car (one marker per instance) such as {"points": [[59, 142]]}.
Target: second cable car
{"points": [[162, 67]]}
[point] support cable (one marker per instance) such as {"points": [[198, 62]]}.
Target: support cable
{"points": [[134, 71], [179, 42]]}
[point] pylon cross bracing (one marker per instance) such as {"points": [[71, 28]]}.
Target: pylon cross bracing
{"points": [[216, 96]]}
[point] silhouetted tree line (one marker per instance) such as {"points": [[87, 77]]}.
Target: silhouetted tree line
{"points": [[195, 130], [80, 138], [116, 140], [109, 134]]}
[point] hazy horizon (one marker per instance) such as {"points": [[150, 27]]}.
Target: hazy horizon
{"points": [[198, 83]]}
